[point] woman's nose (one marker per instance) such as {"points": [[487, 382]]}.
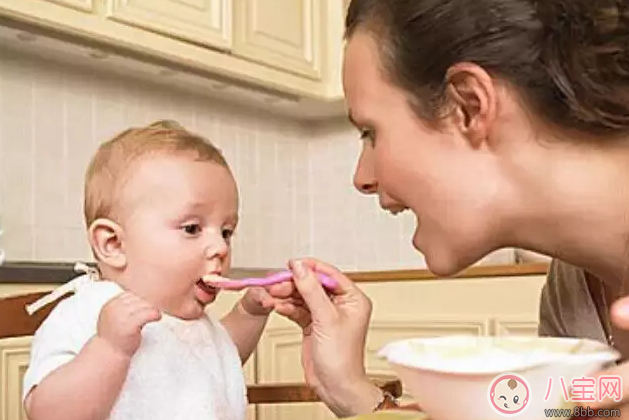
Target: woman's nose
{"points": [[364, 178], [365, 187]]}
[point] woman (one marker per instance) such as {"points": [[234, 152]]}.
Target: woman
{"points": [[498, 123]]}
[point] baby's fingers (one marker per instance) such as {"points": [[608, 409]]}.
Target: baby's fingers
{"points": [[143, 315]]}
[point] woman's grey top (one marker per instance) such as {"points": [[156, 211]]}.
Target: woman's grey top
{"points": [[567, 307]]}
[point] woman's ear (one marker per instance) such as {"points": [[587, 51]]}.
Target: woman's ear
{"points": [[105, 237], [473, 96]]}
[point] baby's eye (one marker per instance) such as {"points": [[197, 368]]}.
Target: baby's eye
{"points": [[192, 229], [502, 397], [516, 399], [228, 233]]}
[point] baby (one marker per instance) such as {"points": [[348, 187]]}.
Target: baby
{"points": [[161, 206]]}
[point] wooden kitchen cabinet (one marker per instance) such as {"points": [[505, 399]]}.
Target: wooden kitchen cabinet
{"points": [[84, 5], [292, 47], [205, 22], [53, 8], [14, 358], [287, 34]]}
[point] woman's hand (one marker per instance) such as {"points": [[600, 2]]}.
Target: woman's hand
{"points": [[619, 312], [334, 333]]}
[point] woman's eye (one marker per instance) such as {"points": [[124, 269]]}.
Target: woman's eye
{"points": [[192, 229], [367, 134]]}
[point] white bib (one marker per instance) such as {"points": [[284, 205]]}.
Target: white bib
{"points": [[183, 370]]}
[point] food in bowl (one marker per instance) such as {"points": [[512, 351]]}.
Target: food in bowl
{"points": [[486, 378]]}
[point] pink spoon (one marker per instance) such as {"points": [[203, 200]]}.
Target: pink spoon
{"points": [[282, 276]]}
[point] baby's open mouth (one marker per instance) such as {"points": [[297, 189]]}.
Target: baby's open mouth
{"points": [[206, 287]]}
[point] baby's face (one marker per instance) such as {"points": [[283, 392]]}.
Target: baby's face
{"points": [[510, 395], [178, 220]]}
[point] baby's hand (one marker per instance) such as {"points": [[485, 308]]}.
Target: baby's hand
{"points": [[257, 302], [121, 321]]}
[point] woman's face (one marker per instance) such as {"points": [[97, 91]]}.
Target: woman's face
{"points": [[449, 183]]}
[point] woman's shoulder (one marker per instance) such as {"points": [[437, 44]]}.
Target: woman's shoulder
{"points": [[565, 287], [561, 272]]}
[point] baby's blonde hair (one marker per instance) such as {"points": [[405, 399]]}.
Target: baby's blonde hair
{"points": [[114, 159]]}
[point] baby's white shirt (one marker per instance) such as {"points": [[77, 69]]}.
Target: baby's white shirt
{"points": [[184, 369]]}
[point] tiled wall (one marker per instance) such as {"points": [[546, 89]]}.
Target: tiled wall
{"points": [[295, 182]]}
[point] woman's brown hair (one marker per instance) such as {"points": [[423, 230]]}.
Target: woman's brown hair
{"points": [[568, 58]]}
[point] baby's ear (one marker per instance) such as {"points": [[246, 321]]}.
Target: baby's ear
{"points": [[105, 238]]}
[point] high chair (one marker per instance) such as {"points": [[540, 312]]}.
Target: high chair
{"points": [[16, 322]]}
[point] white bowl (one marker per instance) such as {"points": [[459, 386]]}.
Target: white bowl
{"points": [[463, 377]]}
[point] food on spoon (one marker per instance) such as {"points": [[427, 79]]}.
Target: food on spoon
{"points": [[282, 276]]}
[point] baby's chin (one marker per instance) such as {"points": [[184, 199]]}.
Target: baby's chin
{"points": [[191, 309], [190, 316], [189, 313]]}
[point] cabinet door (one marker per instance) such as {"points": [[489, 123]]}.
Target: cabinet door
{"points": [[86, 5], [82, 5], [204, 22], [14, 357], [279, 361], [286, 34]]}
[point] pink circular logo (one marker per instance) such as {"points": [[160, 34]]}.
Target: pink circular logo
{"points": [[509, 394]]}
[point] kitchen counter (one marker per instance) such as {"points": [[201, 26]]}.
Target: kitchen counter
{"points": [[480, 271], [35, 272]]}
